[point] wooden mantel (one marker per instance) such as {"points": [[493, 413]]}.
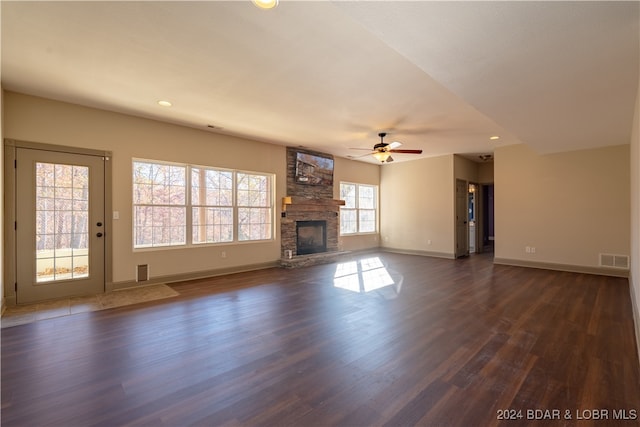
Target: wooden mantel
{"points": [[300, 204]]}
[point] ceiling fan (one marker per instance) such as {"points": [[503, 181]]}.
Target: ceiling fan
{"points": [[382, 151]]}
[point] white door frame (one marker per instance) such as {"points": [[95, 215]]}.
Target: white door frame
{"points": [[461, 217]]}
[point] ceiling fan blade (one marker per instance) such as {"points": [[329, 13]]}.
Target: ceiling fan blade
{"points": [[394, 145], [361, 155], [406, 151], [358, 148]]}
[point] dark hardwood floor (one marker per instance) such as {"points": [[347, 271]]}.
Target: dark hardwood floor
{"points": [[450, 343]]}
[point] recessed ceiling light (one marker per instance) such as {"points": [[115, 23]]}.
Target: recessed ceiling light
{"points": [[164, 103], [494, 137], [265, 4]]}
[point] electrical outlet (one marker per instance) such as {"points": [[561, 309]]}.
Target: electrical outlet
{"points": [[429, 242], [527, 249], [223, 254], [533, 249]]}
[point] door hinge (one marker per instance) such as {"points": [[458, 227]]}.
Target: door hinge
{"points": [[16, 287], [15, 225], [15, 164]]}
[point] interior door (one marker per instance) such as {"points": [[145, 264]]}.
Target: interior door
{"points": [[60, 212], [472, 217], [462, 230]]}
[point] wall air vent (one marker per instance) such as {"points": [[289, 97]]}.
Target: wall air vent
{"points": [[614, 261], [142, 273]]}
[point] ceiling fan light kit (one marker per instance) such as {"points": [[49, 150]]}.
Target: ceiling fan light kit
{"points": [[382, 151], [382, 156], [265, 4]]}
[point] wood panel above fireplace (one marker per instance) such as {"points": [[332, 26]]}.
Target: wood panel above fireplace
{"points": [[296, 204]]}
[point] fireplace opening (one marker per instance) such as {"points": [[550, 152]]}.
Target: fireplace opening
{"points": [[311, 237]]}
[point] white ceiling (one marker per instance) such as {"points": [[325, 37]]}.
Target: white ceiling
{"points": [[439, 76]]}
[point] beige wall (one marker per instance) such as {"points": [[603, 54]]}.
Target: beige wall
{"points": [[479, 173], [464, 169], [485, 173], [47, 121], [635, 216], [570, 206], [417, 206], [360, 173]]}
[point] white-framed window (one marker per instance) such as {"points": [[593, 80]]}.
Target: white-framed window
{"points": [[159, 204], [254, 207], [360, 212], [177, 205], [211, 205]]}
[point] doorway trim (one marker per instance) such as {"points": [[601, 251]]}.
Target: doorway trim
{"points": [[461, 218], [9, 244], [477, 218]]}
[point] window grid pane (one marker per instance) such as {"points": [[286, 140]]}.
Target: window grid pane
{"points": [[367, 221], [254, 224], [366, 197], [161, 206], [348, 222], [359, 214], [212, 225], [159, 197], [348, 194], [159, 226], [253, 190], [62, 222], [212, 201], [254, 207]]}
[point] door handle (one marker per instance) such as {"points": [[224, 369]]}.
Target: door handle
{"points": [[99, 234]]}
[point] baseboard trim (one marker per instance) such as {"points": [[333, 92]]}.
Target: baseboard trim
{"points": [[9, 301], [193, 275], [602, 271], [172, 278], [418, 252]]}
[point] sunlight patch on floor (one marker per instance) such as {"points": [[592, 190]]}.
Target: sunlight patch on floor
{"points": [[363, 276]]}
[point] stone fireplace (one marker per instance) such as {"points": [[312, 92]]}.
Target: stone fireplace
{"points": [[310, 223]]}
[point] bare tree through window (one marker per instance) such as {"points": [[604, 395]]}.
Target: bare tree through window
{"points": [[62, 221], [177, 204], [159, 198]]}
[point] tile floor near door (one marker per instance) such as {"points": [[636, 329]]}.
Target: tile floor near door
{"points": [[21, 314]]}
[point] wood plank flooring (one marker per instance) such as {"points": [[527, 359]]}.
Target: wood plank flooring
{"points": [[446, 343]]}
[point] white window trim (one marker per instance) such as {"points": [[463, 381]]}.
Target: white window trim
{"points": [[376, 209], [134, 205], [189, 206]]}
